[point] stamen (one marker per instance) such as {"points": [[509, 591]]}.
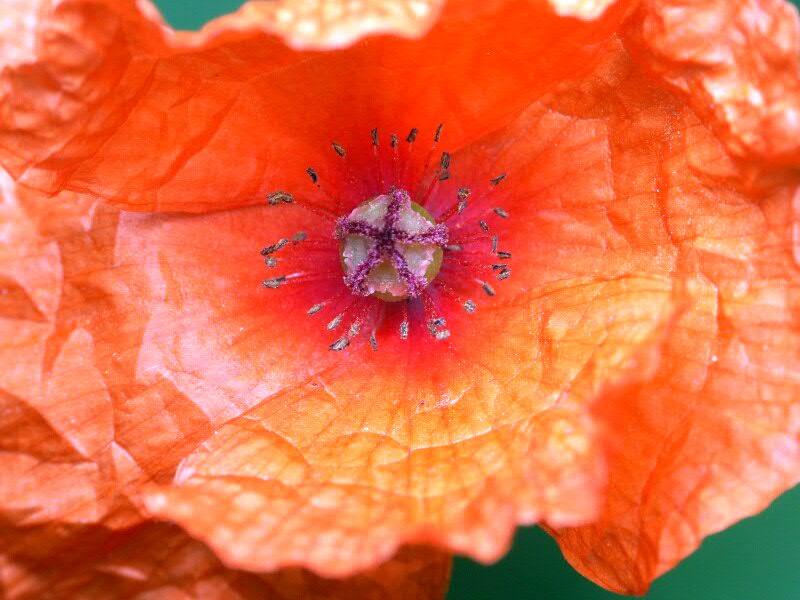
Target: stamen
{"points": [[274, 283], [494, 243], [313, 175], [487, 288], [499, 267], [395, 140], [404, 330], [436, 324], [502, 254], [374, 134], [339, 149], [316, 308], [274, 247], [501, 212], [270, 262], [373, 341], [278, 197], [504, 274], [334, 323], [469, 306], [442, 334], [438, 132], [445, 160], [483, 225], [412, 135], [298, 237], [498, 179], [339, 344]]}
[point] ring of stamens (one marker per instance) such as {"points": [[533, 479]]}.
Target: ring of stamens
{"points": [[383, 229]]}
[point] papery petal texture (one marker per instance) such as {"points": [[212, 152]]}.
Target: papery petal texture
{"points": [[103, 98], [326, 24], [711, 435], [450, 445], [79, 434], [736, 65], [634, 384], [160, 561]]}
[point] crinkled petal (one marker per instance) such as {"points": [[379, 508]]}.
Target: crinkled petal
{"points": [[57, 451], [711, 435], [735, 63], [326, 24], [346, 456], [160, 561], [102, 98], [582, 9]]}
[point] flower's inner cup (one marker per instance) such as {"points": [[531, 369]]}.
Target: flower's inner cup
{"points": [[391, 247]]}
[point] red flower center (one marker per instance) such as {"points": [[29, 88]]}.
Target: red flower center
{"points": [[395, 260]]}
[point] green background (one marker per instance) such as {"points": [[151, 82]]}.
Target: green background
{"points": [[758, 559]]}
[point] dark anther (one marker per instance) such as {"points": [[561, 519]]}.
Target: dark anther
{"points": [[374, 134], [334, 323], [498, 179], [463, 193], [444, 175], [469, 306], [395, 141], [499, 267], [315, 309], [438, 132], [298, 237], [502, 254], [501, 212], [271, 262], [278, 197], [404, 330], [275, 247], [434, 325], [488, 289], [313, 174], [412, 135], [483, 225], [494, 243], [504, 274], [445, 161], [273, 283], [373, 342], [338, 149], [339, 344], [462, 206]]}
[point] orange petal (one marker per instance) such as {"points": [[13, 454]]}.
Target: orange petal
{"points": [[347, 456], [325, 24], [735, 63], [160, 561], [103, 98], [712, 436]]}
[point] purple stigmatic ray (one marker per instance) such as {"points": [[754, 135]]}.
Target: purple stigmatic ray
{"points": [[386, 240]]}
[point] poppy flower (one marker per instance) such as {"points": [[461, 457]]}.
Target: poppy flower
{"points": [[301, 304]]}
